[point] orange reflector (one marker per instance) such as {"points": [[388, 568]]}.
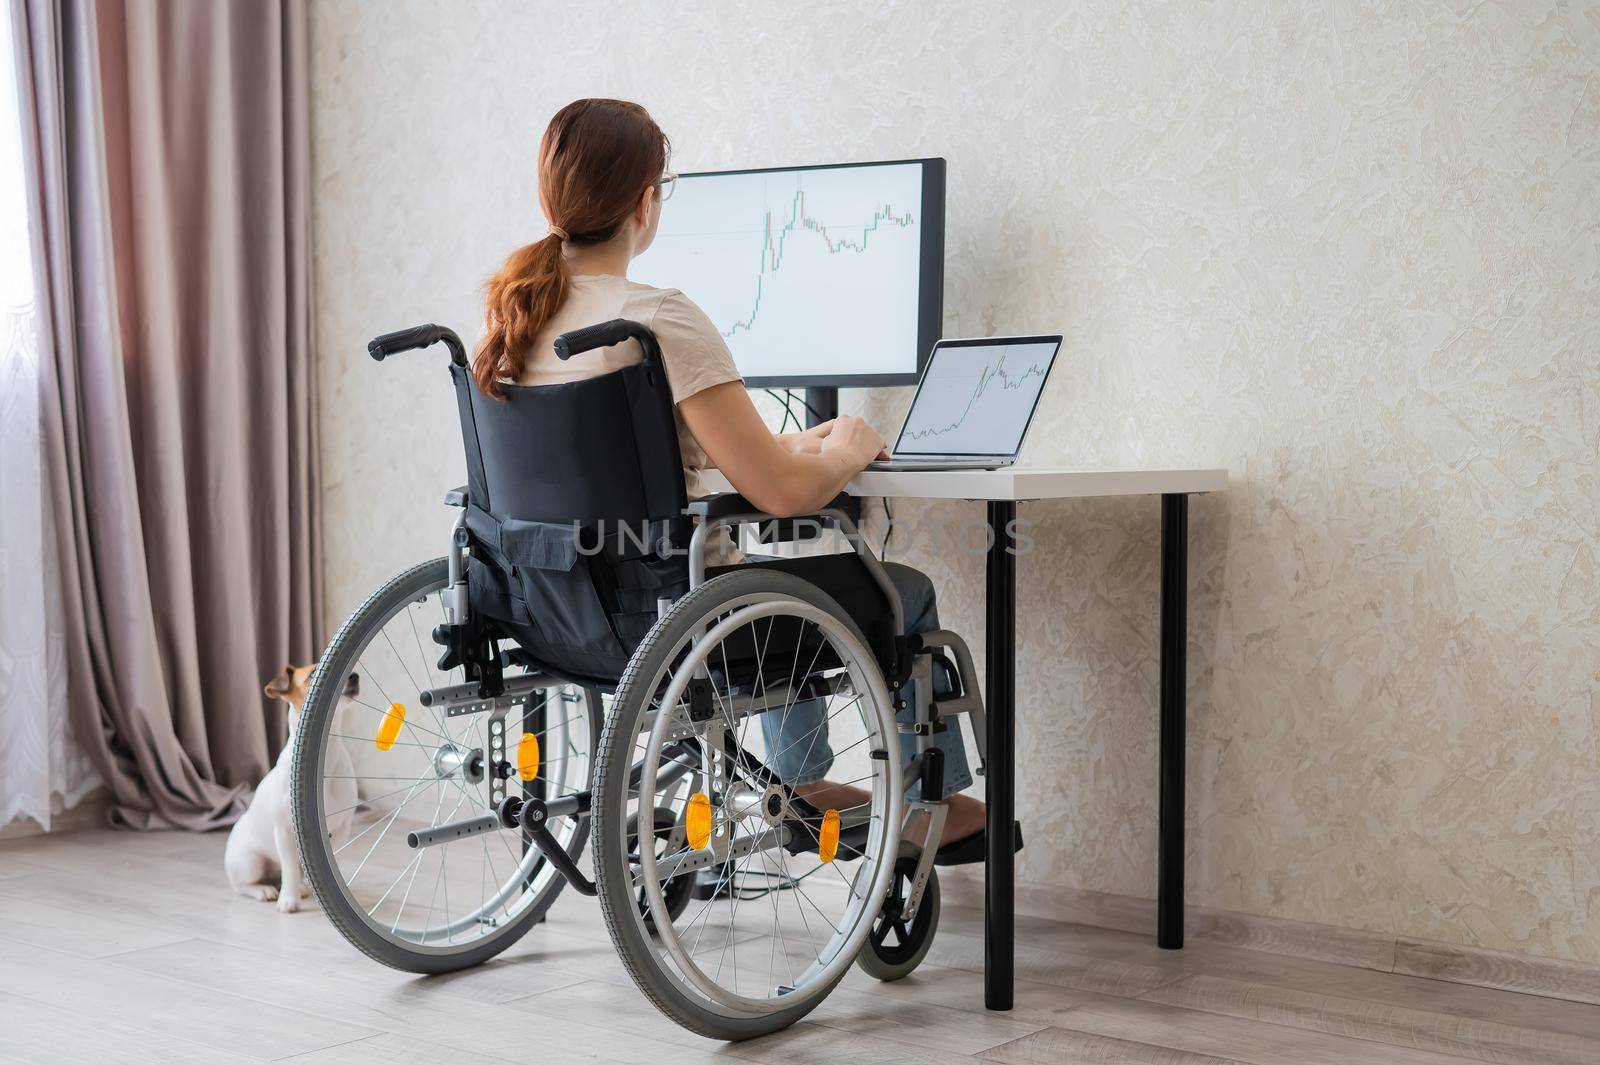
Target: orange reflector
{"points": [[697, 819], [828, 838], [389, 729], [528, 756]]}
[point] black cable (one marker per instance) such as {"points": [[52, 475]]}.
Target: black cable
{"points": [[788, 411], [790, 396], [809, 408], [788, 399]]}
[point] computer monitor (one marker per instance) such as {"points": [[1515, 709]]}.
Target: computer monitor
{"points": [[815, 275]]}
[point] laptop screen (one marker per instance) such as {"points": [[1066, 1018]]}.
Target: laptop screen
{"points": [[976, 397]]}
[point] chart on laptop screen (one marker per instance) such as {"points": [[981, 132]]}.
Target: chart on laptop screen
{"points": [[976, 400], [796, 268]]}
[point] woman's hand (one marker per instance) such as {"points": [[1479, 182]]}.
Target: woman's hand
{"points": [[766, 469], [854, 439], [807, 441]]}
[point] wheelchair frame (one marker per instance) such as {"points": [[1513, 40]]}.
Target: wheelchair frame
{"points": [[473, 644]]}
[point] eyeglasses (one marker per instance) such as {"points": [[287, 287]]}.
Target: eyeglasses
{"points": [[667, 184]]}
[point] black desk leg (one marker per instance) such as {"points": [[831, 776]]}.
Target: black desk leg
{"points": [[1174, 633], [1000, 641]]}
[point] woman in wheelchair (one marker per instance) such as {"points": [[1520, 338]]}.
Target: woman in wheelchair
{"points": [[603, 184], [741, 871]]}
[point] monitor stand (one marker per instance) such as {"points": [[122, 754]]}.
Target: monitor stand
{"points": [[822, 404]]}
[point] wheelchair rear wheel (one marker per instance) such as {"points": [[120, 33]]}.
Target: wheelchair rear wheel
{"points": [[802, 885], [372, 766]]}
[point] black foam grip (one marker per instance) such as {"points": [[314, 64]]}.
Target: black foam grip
{"points": [[418, 336], [603, 335]]}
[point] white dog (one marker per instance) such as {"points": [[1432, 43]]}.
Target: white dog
{"points": [[262, 848]]}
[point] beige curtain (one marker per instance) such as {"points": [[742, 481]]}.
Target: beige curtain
{"points": [[170, 162]]}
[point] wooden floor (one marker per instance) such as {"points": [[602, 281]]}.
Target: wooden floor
{"points": [[117, 947]]}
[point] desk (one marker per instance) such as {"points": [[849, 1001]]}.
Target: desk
{"points": [[1001, 491]]}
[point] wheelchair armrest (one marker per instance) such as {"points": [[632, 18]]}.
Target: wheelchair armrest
{"points": [[769, 529], [727, 504], [721, 505], [456, 497]]}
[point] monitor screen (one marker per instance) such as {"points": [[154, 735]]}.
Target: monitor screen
{"points": [[977, 396], [820, 275]]}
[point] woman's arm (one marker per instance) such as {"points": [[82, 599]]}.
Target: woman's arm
{"points": [[774, 478]]}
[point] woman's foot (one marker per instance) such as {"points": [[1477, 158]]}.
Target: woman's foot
{"points": [[964, 814]]}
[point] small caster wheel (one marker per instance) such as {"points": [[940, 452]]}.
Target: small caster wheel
{"points": [[677, 891], [896, 946]]}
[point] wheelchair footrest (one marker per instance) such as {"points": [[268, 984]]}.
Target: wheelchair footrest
{"points": [[973, 848]]}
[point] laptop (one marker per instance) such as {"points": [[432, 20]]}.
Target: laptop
{"points": [[973, 405]]}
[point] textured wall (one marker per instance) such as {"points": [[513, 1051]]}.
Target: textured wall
{"points": [[1348, 250]]}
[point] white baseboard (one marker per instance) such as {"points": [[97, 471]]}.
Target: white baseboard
{"points": [[1457, 963]]}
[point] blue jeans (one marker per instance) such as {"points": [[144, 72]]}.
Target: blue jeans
{"points": [[798, 757]]}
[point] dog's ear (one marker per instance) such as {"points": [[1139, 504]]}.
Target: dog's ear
{"points": [[278, 686]]}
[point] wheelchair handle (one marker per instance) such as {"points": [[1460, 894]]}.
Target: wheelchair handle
{"points": [[578, 341], [418, 336]]}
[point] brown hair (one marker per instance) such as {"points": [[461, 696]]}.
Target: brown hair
{"points": [[596, 160]]}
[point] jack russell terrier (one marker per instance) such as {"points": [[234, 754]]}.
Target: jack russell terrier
{"points": [[262, 859]]}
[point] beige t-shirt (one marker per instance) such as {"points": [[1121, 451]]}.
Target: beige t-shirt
{"points": [[692, 350]]}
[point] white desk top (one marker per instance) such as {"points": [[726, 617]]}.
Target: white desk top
{"points": [[1022, 482]]}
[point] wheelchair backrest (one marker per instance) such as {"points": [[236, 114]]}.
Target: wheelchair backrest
{"points": [[576, 513], [603, 449]]}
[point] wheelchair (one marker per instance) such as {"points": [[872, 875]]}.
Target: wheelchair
{"points": [[573, 670]]}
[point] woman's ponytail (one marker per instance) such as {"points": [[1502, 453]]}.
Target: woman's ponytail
{"points": [[522, 297], [597, 158]]}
